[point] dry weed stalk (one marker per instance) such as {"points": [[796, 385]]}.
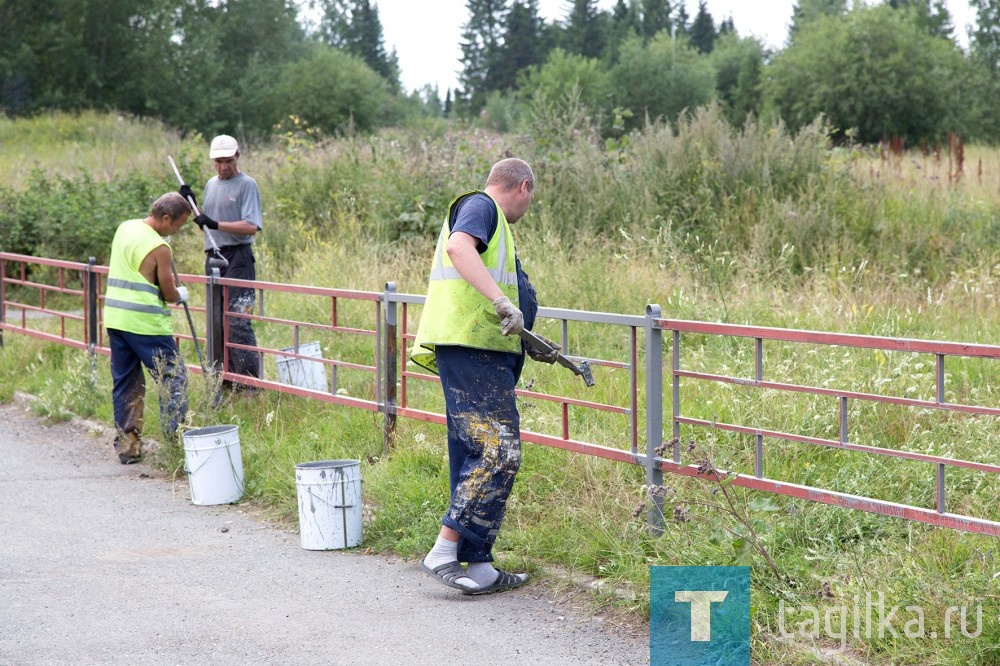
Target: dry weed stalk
{"points": [[956, 158], [722, 496]]}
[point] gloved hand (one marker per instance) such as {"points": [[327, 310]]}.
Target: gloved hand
{"points": [[183, 295], [511, 319], [186, 192], [541, 356], [205, 221]]}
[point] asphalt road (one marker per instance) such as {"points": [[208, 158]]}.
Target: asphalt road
{"points": [[102, 563]]}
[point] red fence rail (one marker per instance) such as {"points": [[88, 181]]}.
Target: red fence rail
{"points": [[940, 352]]}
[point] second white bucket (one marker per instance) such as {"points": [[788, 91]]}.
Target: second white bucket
{"points": [[214, 464], [329, 503], [300, 372]]}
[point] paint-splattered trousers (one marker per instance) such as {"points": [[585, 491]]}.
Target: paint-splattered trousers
{"points": [[484, 443], [129, 352], [241, 300]]}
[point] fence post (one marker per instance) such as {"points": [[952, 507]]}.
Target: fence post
{"points": [[3, 296], [90, 315], [654, 417], [215, 345], [90, 305], [390, 356]]}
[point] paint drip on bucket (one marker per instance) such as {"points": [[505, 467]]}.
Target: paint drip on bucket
{"points": [[329, 493]]}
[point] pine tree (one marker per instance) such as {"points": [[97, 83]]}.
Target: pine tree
{"points": [[655, 17], [702, 30], [585, 33], [626, 15], [482, 38], [370, 43], [625, 22], [934, 18], [354, 26], [806, 11], [984, 54], [727, 26], [523, 45], [680, 24], [985, 42]]}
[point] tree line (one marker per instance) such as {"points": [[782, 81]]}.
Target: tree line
{"points": [[894, 69]]}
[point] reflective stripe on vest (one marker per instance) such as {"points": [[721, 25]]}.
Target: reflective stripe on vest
{"points": [[498, 272], [137, 286], [454, 312], [135, 307], [131, 303]]}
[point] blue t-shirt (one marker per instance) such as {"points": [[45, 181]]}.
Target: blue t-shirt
{"points": [[476, 215]]}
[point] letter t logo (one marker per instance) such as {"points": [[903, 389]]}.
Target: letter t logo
{"points": [[701, 607]]}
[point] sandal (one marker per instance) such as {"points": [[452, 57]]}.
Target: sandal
{"points": [[448, 574], [504, 581]]}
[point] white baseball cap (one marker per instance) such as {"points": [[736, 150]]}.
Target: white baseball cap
{"points": [[223, 146]]}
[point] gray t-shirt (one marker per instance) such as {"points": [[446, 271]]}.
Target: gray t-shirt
{"points": [[232, 200]]}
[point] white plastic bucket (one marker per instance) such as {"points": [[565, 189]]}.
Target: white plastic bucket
{"points": [[329, 503], [214, 464], [300, 372]]}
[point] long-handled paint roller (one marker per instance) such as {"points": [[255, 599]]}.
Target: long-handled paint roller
{"points": [[216, 261], [582, 369]]}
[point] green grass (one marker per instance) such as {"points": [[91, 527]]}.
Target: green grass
{"points": [[701, 228], [107, 147]]}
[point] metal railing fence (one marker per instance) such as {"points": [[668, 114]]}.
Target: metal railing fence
{"points": [[938, 351], [369, 332]]}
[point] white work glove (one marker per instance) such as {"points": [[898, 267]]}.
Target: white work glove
{"points": [[182, 295], [541, 356], [511, 319]]}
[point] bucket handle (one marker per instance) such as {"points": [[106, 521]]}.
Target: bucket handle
{"points": [[232, 466]]}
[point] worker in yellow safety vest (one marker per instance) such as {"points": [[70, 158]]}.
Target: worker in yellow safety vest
{"points": [[141, 281], [478, 301]]}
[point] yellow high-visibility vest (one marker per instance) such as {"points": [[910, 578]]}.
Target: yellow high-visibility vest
{"points": [[455, 313], [131, 302]]}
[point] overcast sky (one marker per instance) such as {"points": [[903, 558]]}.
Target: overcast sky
{"points": [[427, 33]]}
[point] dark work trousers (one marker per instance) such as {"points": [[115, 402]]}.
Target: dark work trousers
{"points": [[484, 442], [131, 351], [242, 300]]}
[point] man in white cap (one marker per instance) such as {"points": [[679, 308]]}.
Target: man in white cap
{"points": [[230, 218]]}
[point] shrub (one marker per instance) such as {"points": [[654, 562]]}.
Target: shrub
{"points": [[72, 218]]}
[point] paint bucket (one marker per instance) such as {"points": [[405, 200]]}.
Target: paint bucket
{"points": [[329, 503], [300, 372], [214, 465]]}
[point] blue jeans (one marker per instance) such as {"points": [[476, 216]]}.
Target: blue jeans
{"points": [[131, 351], [484, 443]]}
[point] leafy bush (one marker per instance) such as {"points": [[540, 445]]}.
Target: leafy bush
{"points": [[659, 80], [72, 219], [876, 70], [331, 90], [565, 75], [739, 67]]}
